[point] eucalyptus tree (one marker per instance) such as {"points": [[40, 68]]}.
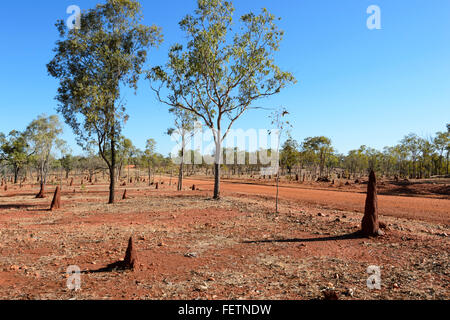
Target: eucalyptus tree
{"points": [[43, 138], [289, 154], [411, 144], [124, 152], [68, 163], [223, 69], [442, 144], [184, 127], [14, 151], [321, 147], [93, 63], [148, 157]]}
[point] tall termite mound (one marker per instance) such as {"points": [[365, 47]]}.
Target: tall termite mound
{"points": [[56, 202], [370, 226]]}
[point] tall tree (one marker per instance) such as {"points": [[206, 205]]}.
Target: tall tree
{"points": [[93, 62], [289, 155], [321, 147], [43, 136], [442, 143], [68, 163], [184, 123], [13, 150], [148, 157], [222, 71], [125, 150]]}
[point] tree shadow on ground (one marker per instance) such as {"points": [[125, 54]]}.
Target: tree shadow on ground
{"points": [[15, 206], [350, 236], [23, 194]]}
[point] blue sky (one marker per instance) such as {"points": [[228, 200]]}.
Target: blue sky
{"points": [[355, 85]]}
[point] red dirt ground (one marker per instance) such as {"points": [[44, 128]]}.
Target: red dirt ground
{"points": [[347, 199], [191, 247]]}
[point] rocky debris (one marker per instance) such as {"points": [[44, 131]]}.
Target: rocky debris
{"points": [[191, 255], [349, 292], [330, 295]]}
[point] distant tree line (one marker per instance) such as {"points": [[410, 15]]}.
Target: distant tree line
{"points": [[413, 157], [38, 152]]}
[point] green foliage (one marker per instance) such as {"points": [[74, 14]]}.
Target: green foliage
{"points": [[109, 50], [42, 135], [220, 72], [289, 155], [13, 150], [318, 150]]}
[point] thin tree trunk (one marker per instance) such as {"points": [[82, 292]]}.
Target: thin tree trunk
{"points": [[180, 174], [149, 175], [278, 182], [16, 174], [112, 172], [217, 163], [217, 181]]}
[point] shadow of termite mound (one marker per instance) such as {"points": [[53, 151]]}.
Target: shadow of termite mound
{"points": [[128, 263]]}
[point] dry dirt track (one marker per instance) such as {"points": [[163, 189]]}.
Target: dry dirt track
{"points": [[426, 209]]}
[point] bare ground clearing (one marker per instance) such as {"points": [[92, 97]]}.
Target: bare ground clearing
{"points": [[190, 247]]}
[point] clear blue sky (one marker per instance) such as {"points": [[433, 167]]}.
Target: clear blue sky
{"points": [[356, 86]]}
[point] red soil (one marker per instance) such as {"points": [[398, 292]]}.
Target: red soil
{"points": [[189, 246]]}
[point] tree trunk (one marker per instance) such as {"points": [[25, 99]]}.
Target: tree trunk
{"points": [[149, 175], [180, 174], [217, 163], [16, 173], [217, 181], [447, 160], [278, 191], [41, 193], [180, 177], [112, 172]]}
